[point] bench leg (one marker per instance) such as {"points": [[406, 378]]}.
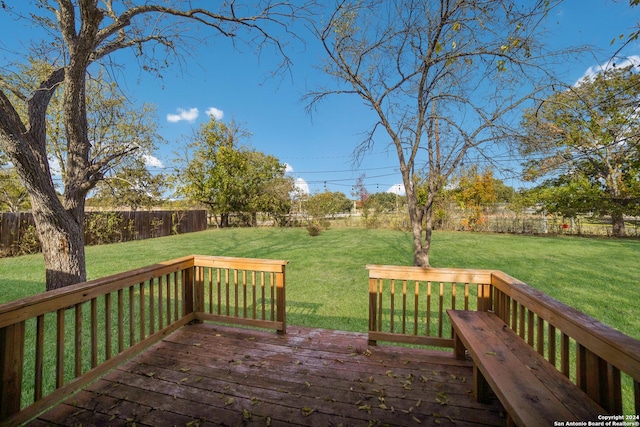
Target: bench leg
{"points": [[480, 386], [458, 347]]}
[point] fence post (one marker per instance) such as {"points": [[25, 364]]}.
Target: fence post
{"points": [[11, 357]]}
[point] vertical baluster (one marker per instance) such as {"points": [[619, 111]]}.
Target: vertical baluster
{"points": [[132, 325], [141, 310], [107, 327], [78, 340], [253, 295], [613, 398], [453, 295], [167, 284], [466, 296], [453, 301], [152, 307], [176, 297], [498, 304], [540, 337], [381, 287], [440, 309], [393, 291], [551, 333], [94, 332], [39, 373], [120, 320], [600, 380], [530, 327], [514, 316], [227, 279], [235, 292], [11, 365], [416, 299], [60, 347], [264, 313], [160, 303], [244, 293], [521, 320], [404, 306], [428, 308], [272, 281], [508, 306], [211, 290], [564, 354]]}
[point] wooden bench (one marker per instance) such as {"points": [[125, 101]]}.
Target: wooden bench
{"points": [[532, 391]]}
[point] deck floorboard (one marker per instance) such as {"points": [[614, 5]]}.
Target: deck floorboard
{"points": [[208, 374]]}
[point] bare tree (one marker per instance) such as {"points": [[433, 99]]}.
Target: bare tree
{"points": [[444, 79], [80, 33]]}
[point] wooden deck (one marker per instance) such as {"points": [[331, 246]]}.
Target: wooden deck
{"points": [[206, 374]]}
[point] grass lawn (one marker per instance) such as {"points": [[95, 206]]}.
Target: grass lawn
{"points": [[327, 283]]}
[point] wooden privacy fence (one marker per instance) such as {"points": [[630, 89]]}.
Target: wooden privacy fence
{"points": [[104, 227], [54, 343], [408, 304]]}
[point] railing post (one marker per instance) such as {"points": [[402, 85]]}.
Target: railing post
{"points": [[187, 290], [281, 311], [11, 357], [198, 290], [485, 301], [373, 306]]}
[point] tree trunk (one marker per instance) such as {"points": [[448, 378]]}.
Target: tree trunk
{"points": [[62, 243], [416, 215], [224, 220], [617, 222]]}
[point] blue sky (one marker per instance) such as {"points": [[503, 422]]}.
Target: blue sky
{"points": [[236, 85]]}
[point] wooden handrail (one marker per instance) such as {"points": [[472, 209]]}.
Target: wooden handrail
{"points": [[601, 352], [408, 304], [243, 291], [594, 356], [141, 306]]}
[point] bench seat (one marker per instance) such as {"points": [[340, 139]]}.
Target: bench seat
{"points": [[532, 391]]}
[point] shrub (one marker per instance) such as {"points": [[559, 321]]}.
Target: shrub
{"points": [[314, 229]]}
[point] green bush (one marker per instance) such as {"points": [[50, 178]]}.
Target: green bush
{"points": [[103, 227]]}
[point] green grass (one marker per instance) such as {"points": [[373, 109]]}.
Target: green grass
{"points": [[327, 284], [327, 279]]}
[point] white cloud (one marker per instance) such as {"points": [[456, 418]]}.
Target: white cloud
{"points": [[302, 185], [189, 115], [397, 189], [594, 70], [215, 113], [288, 168], [152, 161]]}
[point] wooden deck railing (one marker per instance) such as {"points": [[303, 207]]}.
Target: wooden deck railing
{"points": [[407, 304], [56, 342]]}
